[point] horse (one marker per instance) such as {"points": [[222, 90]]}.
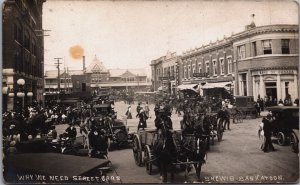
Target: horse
{"points": [[165, 151], [194, 144]]}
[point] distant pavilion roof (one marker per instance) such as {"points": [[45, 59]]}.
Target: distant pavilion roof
{"points": [[96, 66]]}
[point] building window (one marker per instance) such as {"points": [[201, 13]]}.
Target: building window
{"points": [[244, 84], [254, 49], [267, 46], [172, 71], [215, 72], [222, 66], [207, 67], [194, 68], [77, 84], [17, 33], [285, 46], [241, 52], [26, 42], [189, 71], [200, 67], [184, 72], [229, 62]]}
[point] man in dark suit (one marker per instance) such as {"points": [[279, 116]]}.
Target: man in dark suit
{"points": [[268, 128]]}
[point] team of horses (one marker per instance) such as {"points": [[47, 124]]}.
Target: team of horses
{"points": [[190, 148]]}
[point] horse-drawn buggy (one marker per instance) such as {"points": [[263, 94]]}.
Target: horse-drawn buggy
{"points": [[168, 149]]}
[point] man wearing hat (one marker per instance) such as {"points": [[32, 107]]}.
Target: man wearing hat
{"points": [[138, 108], [143, 118], [71, 131], [268, 128]]}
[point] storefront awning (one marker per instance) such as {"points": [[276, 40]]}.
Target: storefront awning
{"points": [[162, 88], [194, 87], [217, 85]]}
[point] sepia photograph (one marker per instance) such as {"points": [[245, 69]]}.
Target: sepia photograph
{"points": [[150, 91]]}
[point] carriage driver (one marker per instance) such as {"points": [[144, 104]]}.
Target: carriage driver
{"points": [[163, 117]]}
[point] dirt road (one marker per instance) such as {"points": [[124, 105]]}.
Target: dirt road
{"points": [[236, 159]]}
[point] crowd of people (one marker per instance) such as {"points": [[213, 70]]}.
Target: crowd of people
{"points": [[35, 121]]}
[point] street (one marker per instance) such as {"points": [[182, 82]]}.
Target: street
{"points": [[236, 159]]}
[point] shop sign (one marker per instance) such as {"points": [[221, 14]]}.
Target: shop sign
{"points": [[265, 72], [164, 78], [286, 72]]}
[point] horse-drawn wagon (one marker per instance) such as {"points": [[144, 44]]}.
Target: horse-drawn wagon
{"points": [[167, 149], [245, 106], [215, 126]]}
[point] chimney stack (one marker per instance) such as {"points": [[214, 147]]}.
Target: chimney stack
{"points": [[83, 64]]}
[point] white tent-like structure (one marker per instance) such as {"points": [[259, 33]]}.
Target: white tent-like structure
{"points": [[193, 87], [225, 85]]}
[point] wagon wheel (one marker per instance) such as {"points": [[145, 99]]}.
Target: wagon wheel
{"points": [[244, 114], [137, 150], [281, 138], [148, 159], [239, 118], [294, 143], [109, 144], [220, 130]]}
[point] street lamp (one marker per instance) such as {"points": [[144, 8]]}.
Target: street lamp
{"points": [[11, 94], [21, 94]]}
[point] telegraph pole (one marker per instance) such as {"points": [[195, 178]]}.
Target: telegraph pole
{"points": [[58, 76]]}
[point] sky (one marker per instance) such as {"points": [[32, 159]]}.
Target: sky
{"points": [[129, 34]]}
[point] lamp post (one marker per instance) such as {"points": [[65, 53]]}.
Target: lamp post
{"points": [[21, 94]]}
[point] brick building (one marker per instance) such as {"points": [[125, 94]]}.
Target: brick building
{"points": [[23, 50], [267, 61], [260, 61], [209, 66], [165, 73]]}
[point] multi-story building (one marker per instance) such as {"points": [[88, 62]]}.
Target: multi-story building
{"points": [[260, 62], [209, 66], [23, 50], [165, 72], [267, 61]]}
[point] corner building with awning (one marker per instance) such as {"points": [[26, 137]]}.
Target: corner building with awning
{"points": [[259, 61]]}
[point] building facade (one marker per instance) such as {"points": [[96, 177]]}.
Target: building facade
{"points": [[165, 73], [210, 64], [267, 61], [261, 62], [23, 50]]}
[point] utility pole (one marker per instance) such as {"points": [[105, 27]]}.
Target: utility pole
{"points": [[58, 76], [138, 83]]}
